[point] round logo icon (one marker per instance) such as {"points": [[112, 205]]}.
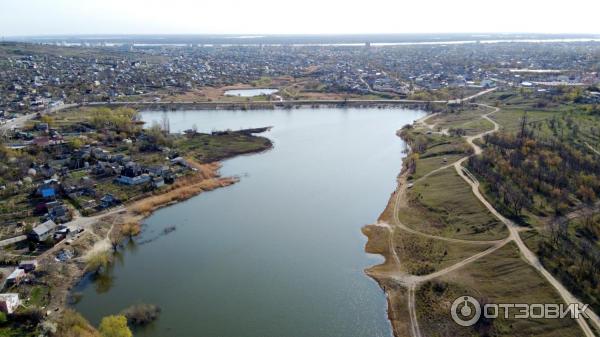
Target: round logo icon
{"points": [[465, 310]]}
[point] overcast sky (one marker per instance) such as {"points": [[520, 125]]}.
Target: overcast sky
{"points": [[40, 17]]}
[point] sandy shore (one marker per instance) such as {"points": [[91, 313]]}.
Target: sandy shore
{"points": [[379, 241]]}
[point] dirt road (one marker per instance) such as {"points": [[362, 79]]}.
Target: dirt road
{"points": [[411, 282]]}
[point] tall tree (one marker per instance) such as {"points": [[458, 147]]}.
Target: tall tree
{"points": [[115, 326]]}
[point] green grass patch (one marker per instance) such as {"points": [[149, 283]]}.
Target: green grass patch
{"points": [[208, 148], [421, 255], [443, 204], [469, 120]]}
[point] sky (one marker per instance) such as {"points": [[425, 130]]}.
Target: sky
{"points": [[72, 17]]}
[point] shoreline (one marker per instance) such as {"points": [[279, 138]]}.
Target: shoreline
{"points": [[96, 239], [379, 242]]}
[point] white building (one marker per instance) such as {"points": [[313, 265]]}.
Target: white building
{"points": [[15, 277], [9, 302]]}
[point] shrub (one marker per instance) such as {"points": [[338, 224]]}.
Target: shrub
{"points": [[98, 262], [72, 324], [141, 314], [114, 326]]}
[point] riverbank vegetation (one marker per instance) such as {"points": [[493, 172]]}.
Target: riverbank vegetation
{"points": [[438, 201]]}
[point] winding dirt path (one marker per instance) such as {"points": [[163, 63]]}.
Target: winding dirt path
{"points": [[412, 281], [514, 229], [415, 331]]}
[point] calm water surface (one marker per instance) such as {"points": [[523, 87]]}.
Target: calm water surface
{"points": [[280, 254], [250, 92]]}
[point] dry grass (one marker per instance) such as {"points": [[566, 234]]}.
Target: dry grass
{"points": [[72, 324], [205, 179], [501, 277], [97, 262], [130, 229]]}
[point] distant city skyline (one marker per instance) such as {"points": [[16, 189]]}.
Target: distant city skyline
{"points": [[68, 17]]}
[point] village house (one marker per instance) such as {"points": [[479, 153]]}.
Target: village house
{"points": [[131, 181], [159, 170], [43, 231], [158, 182], [100, 154], [9, 302], [28, 265], [15, 277], [107, 201], [58, 212], [48, 189]]}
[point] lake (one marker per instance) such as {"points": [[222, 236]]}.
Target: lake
{"points": [[279, 254], [250, 92]]}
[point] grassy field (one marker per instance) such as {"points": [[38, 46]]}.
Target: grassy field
{"points": [[510, 119], [441, 150], [208, 148], [443, 204], [469, 120], [421, 255], [429, 164], [501, 277]]}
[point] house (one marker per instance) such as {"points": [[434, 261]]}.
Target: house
{"points": [[100, 154], [61, 233], [108, 200], [180, 161], [15, 277], [9, 302], [43, 231], [487, 83], [48, 193], [106, 169], [137, 180], [28, 265], [159, 170], [41, 126], [158, 182], [89, 205], [132, 170], [48, 189], [58, 212]]}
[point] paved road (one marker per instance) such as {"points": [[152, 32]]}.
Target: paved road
{"points": [[20, 121], [472, 97]]}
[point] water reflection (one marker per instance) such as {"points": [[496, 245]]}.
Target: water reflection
{"points": [[281, 252]]}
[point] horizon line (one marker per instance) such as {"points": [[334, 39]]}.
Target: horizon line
{"points": [[294, 34]]}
